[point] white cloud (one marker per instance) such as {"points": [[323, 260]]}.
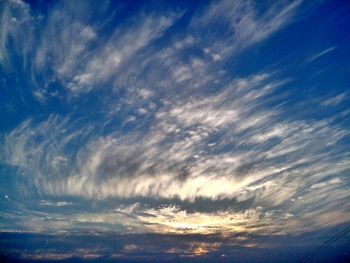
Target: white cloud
{"points": [[320, 54], [326, 183], [334, 101], [174, 160], [245, 26], [53, 204], [15, 22], [72, 53], [193, 132]]}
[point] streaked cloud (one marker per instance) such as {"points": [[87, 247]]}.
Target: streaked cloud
{"points": [[320, 54], [334, 101], [146, 121]]}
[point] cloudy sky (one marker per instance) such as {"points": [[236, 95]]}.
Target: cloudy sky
{"points": [[178, 131]]}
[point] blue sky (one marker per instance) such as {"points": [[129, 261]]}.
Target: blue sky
{"points": [[174, 130]]}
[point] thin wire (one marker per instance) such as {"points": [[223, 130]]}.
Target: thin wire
{"points": [[326, 244]]}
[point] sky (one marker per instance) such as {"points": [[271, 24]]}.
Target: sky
{"points": [[174, 131]]}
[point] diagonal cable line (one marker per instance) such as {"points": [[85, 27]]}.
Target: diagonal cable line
{"points": [[326, 244]]}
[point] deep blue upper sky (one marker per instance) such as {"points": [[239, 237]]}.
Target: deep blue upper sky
{"points": [[174, 130]]}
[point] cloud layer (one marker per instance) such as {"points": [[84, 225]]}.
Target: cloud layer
{"points": [[153, 126]]}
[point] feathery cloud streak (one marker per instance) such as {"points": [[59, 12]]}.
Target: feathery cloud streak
{"points": [[144, 114]]}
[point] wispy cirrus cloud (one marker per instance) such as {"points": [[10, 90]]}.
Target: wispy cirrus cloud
{"points": [[320, 54], [15, 23], [276, 162], [150, 129], [245, 25]]}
